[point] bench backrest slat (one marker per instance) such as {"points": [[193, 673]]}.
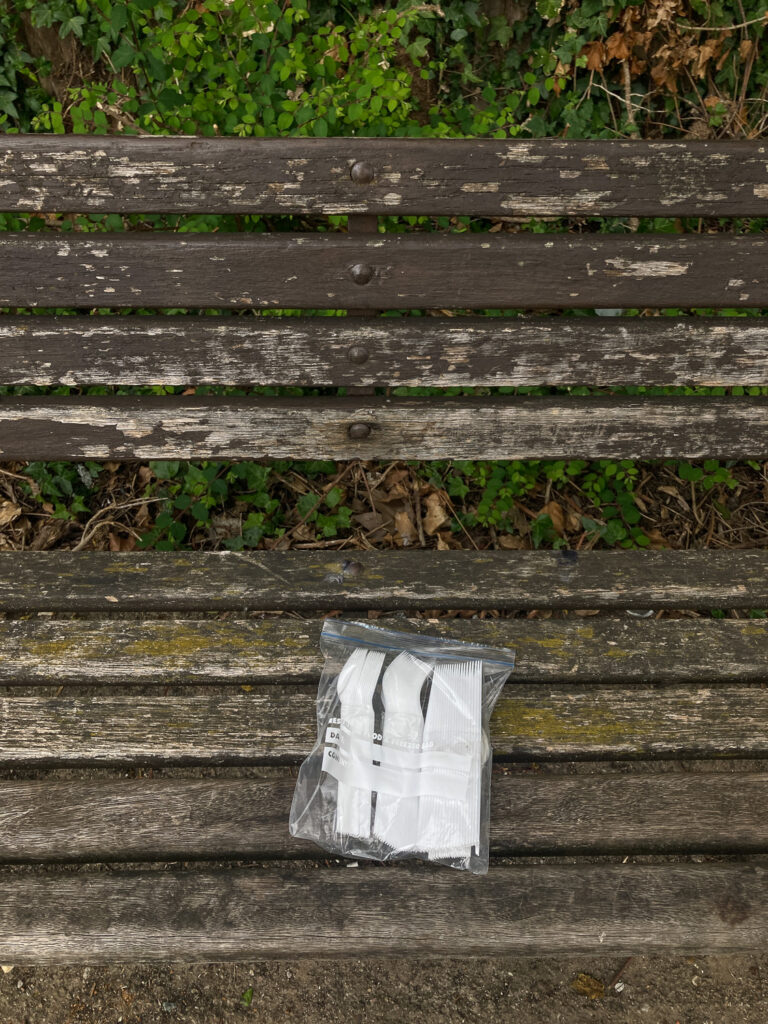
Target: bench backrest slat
{"points": [[396, 271], [485, 177], [436, 351], [195, 581], [365, 272], [196, 427]]}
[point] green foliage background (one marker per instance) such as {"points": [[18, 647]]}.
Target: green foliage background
{"points": [[250, 68]]}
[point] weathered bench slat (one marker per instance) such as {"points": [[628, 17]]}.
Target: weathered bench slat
{"points": [[530, 723], [482, 177], [154, 427], [413, 351], [239, 652], [242, 914], [531, 814], [98, 581], [401, 271]]}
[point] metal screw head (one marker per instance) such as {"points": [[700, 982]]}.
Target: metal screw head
{"points": [[358, 354], [361, 273], [362, 173], [359, 431]]}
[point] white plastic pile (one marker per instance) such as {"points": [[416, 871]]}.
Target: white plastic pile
{"points": [[415, 787]]}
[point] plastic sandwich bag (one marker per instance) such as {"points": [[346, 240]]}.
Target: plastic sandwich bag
{"points": [[402, 763]]}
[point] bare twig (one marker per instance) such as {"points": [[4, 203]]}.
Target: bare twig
{"points": [[91, 526], [631, 122], [722, 28], [417, 507], [618, 973]]}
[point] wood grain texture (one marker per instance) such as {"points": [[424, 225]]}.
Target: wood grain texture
{"points": [[534, 814], [401, 271], [404, 351], [243, 652], [531, 723], [246, 914], [542, 177], [360, 580], [197, 427]]}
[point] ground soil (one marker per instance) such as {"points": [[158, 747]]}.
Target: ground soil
{"points": [[650, 990]]}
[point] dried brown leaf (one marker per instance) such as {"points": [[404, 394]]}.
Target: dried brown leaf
{"points": [[436, 514], [370, 521], [616, 46], [121, 541], [406, 531], [586, 985], [510, 542], [554, 510], [657, 539], [447, 541], [9, 511], [595, 54]]}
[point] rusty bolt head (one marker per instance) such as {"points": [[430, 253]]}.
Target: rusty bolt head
{"points": [[361, 273], [359, 431], [362, 173], [358, 354]]}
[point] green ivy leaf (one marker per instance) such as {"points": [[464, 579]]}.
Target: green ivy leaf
{"points": [[549, 8], [123, 55]]}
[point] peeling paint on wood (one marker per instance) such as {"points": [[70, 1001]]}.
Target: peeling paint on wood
{"points": [[413, 270], [98, 819], [530, 723], [154, 427], [543, 177], [406, 351], [236, 652], [289, 580]]}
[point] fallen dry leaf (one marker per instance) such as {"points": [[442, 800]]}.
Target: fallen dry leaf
{"points": [[370, 521], [406, 531], [8, 512], [586, 985], [510, 542], [447, 541], [436, 515], [121, 542], [554, 510]]}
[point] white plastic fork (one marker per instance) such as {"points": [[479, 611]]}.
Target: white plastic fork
{"points": [[450, 828], [356, 686], [397, 818]]}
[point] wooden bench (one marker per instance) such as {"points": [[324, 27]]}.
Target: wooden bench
{"points": [[144, 802]]}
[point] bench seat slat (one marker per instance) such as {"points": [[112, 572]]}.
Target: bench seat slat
{"points": [[404, 351], [198, 427], [531, 814], [243, 652], [487, 177], [404, 271], [530, 723], [99, 581], [244, 914]]}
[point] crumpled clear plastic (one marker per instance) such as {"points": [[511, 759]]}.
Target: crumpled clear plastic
{"points": [[402, 763]]}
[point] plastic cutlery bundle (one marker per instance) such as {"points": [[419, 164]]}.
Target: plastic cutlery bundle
{"points": [[402, 762]]}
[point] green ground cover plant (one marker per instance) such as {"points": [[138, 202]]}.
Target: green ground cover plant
{"points": [[592, 69]]}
